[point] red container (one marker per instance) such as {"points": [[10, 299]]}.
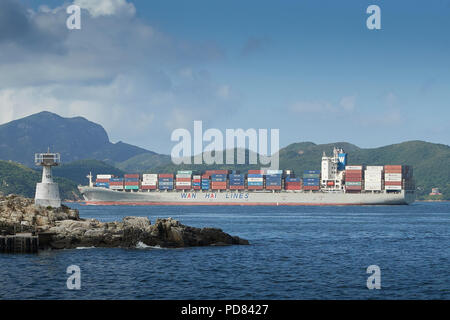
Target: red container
{"points": [[256, 171], [129, 183], [255, 187], [353, 173], [197, 187], [131, 176], [298, 187], [116, 183], [210, 172], [165, 175], [102, 180], [392, 167], [353, 187], [392, 183], [353, 179], [273, 187], [183, 179], [311, 187], [196, 180], [183, 187], [237, 188], [148, 187], [205, 176], [393, 171]]}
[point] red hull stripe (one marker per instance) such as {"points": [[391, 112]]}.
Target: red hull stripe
{"points": [[123, 203]]}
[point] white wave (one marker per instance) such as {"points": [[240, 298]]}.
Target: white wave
{"points": [[84, 248]]}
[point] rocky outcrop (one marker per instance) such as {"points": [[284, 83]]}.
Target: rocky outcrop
{"points": [[63, 228]]}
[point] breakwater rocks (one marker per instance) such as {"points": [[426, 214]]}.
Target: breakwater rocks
{"points": [[63, 228]]}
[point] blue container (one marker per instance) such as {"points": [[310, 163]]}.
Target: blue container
{"points": [[291, 179], [102, 184], [273, 184], [311, 180], [252, 183], [278, 176], [255, 175], [311, 183], [222, 175], [165, 187], [237, 176], [116, 180], [165, 179], [311, 172]]}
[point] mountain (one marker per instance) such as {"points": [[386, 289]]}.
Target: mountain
{"points": [[74, 138], [19, 179]]}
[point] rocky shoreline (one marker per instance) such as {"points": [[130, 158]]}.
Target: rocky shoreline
{"points": [[63, 228]]}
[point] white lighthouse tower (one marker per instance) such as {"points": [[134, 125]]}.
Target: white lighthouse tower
{"points": [[47, 191]]}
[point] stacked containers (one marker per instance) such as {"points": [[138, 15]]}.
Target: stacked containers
{"points": [[373, 176], [219, 181], [116, 184], [255, 181], [311, 180], [205, 182], [183, 180], [149, 181], [353, 178], [196, 182], [237, 181], [273, 179], [407, 176], [292, 183], [393, 177], [131, 181], [103, 180], [256, 172], [165, 181]]}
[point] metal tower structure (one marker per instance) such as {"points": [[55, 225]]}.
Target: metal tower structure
{"points": [[47, 191]]}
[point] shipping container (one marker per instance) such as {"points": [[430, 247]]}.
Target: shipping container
{"points": [[131, 175], [311, 172], [292, 179], [261, 172], [236, 187], [359, 168], [255, 187], [392, 183], [102, 180], [105, 176], [273, 187], [353, 183], [393, 187], [269, 172], [148, 187], [392, 167], [374, 168], [311, 176], [131, 187], [314, 188]]}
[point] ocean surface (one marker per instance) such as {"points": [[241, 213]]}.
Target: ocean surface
{"points": [[295, 253]]}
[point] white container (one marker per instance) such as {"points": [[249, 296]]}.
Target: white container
{"points": [[374, 168], [196, 177], [183, 183], [393, 175], [255, 179], [148, 183], [371, 186], [353, 167], [393, 187], [116, 187], [149, 176], [104, 176], [183, 175]]}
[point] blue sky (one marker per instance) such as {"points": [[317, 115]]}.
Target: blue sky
{"points": [[310, 68]]}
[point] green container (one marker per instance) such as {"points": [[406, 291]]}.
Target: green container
{"points": [[184, 172], [353, 183], [311, 176], [131, 187]]}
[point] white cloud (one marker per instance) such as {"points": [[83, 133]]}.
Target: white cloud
{"points": [[136, 81], [107, 7]]}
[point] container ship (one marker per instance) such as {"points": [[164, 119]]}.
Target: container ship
{"points": [[335, 184]]}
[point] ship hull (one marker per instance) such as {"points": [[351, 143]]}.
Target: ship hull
{"points": [[104, 196]]}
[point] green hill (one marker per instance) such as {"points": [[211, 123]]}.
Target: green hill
{"points": [[76, 171], [18, 179]]}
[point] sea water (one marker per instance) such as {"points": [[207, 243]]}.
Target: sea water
{"points": [[295, 253]]}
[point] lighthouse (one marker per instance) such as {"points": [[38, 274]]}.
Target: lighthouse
{"points": [[47, 191]]}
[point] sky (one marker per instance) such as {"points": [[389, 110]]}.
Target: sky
{"points": [[312, 69]]}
